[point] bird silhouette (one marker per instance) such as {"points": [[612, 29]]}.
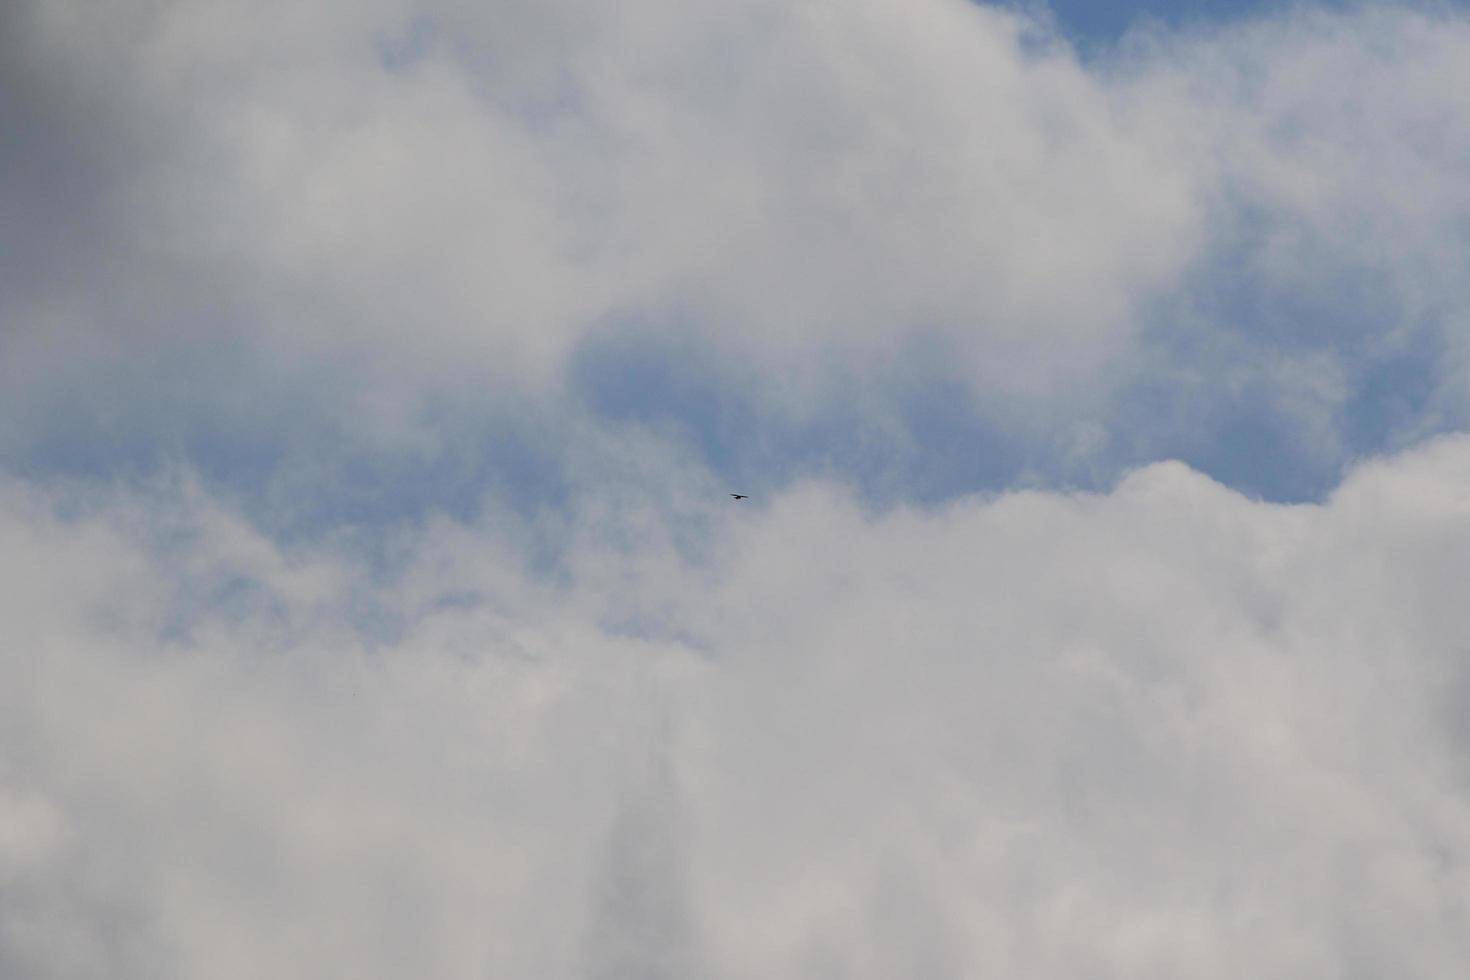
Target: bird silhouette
{"points": [[740, 496]]}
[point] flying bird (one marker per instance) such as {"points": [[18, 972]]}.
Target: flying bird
{"points": [[740, 496]]}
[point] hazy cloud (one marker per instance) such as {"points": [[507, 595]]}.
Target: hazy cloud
{"points": [[1164, 730], [231, 224], [371, 382]]}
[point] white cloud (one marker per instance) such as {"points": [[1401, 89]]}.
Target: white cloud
{"points": [[777, 172], [409, 204], [1163, 731]]}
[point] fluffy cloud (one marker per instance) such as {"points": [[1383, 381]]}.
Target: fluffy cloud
{"points": [[448, 182], [370, 383], [1166, 730], [1187, 243]]}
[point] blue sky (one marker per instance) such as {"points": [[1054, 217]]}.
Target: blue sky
{"points": [[1107, 21]]}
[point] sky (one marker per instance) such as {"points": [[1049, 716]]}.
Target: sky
{"points": [[1106, 22], [373, 382]]}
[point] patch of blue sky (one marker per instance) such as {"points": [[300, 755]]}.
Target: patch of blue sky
{"points": [[1394, 398], [1272, 378], [118, 418], [1244, 438], [1268, 381], [910, 431], [285, 450], [1091, 22], [1210, 389]]}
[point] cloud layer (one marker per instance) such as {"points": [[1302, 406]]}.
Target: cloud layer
{"points": [[1161, 731], [246, 235], [371, 382]]}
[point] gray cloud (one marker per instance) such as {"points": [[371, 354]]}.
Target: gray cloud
{"points": [[1164, 730]]}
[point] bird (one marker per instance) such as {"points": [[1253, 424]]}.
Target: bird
{"points": [[741, 496]]}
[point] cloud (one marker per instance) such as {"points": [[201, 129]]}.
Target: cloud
{"points": [[397, 221], [783, 175], [1157, 731], [371, 381]]}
